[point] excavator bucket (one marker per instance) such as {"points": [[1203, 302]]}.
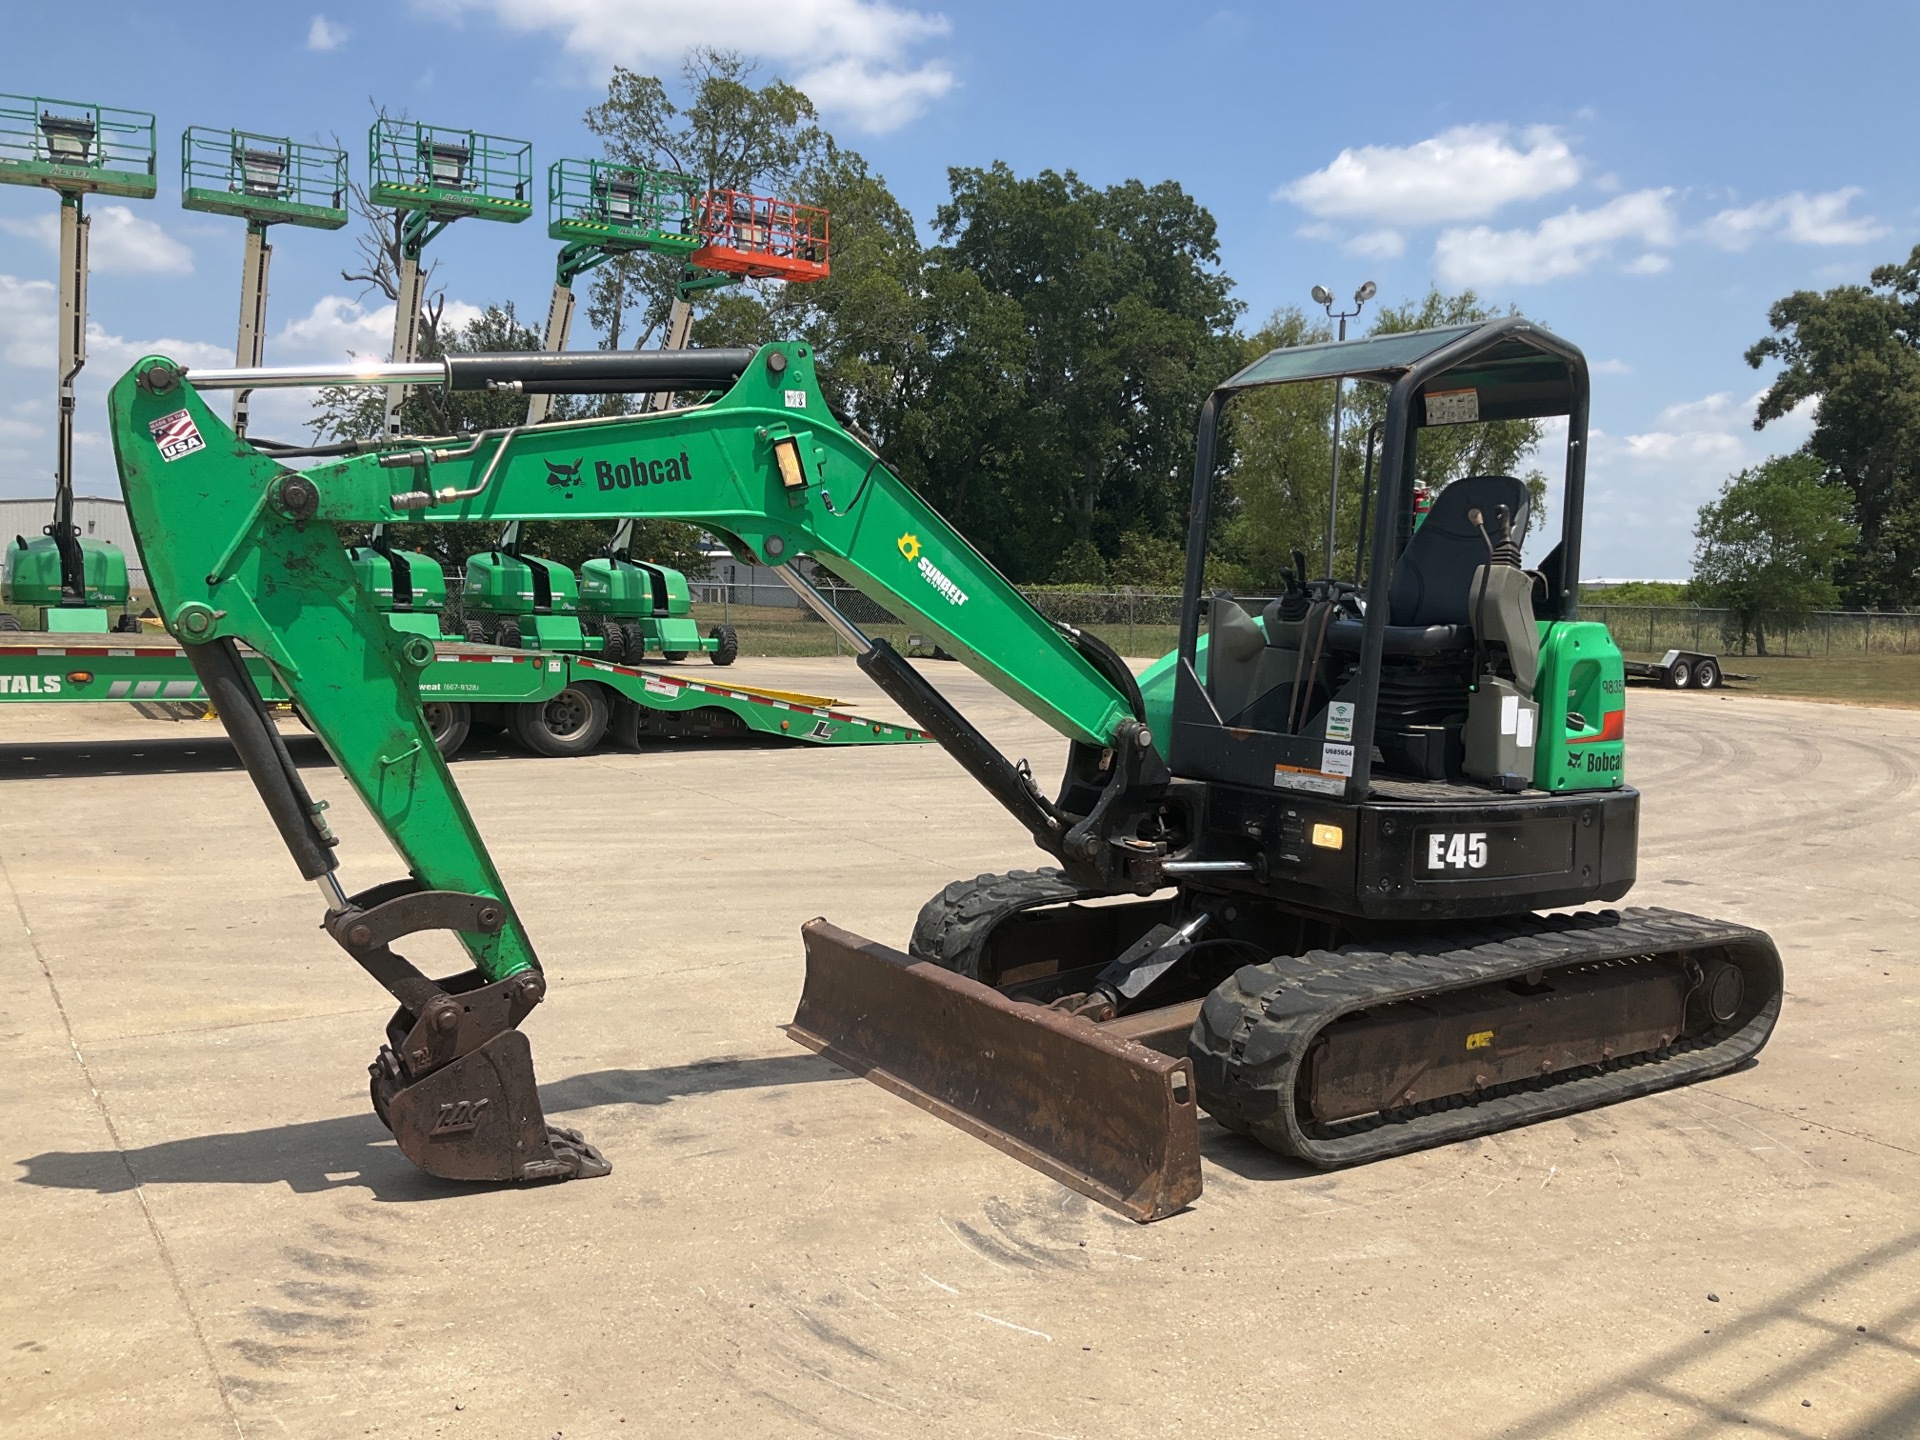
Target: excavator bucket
{"points": [[1100, 1113]]}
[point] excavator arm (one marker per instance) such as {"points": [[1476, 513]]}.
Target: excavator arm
{"points": [[241, 550]]}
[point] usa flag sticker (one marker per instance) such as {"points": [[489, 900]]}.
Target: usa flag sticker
{"points": [[176, 435]]}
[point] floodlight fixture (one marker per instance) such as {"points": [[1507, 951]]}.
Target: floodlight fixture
{"points": [[69, 138], [1322, 295], [1365, 293]]}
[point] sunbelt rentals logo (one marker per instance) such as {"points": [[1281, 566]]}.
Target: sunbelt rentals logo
{"points": [[910, 548]]}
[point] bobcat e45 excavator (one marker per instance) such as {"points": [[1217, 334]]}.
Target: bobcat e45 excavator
{"points": [[1300, 866]]}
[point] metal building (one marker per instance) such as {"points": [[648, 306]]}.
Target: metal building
{"points": [[98, 519]]}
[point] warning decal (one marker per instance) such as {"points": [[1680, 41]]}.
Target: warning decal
{"points": [[176, 435]]}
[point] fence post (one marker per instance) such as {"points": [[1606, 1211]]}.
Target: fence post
{"points": [[1131, 648]]}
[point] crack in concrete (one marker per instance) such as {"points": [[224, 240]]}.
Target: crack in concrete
{"points": [[113, 1134]]}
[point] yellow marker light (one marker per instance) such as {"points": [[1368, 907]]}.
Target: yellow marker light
{"points": [[79, 677], [1328, 837], [786, 454]]}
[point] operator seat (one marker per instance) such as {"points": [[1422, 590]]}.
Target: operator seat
{"points": [[1431, 580]]}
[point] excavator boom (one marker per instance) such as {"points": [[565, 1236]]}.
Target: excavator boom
{"points": [[241, 550]]}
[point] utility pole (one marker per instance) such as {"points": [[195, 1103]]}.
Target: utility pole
{"points": [[1324, 298]]}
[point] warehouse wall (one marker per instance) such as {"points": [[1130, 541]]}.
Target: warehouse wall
{"points": [[98, 519]]}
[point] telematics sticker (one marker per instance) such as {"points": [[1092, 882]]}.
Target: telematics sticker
{"points": [[176, 435]]}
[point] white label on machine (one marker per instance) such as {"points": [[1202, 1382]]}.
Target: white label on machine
{"points": [[796, 399], [1509, 714], [1289, 778], [656, 686], [1340, 720], [176, 435], [1524, 740], [1336, 759], [1453, 407]]}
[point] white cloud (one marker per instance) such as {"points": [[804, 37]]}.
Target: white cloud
{"points": [[323, 35], [856, 58], [1803, 219], [1380, 244], [1645, 489], [119, 242], [1610, 367], [341, 328], [1569, 243], [1460, 174]]}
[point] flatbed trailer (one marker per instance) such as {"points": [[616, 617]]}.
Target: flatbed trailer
{"points": [[1682, 670], [554, 703]]}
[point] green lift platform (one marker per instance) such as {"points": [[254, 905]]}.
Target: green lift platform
{"points": [[74, 149], [264, 180]]}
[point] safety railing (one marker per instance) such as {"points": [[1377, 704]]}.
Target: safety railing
{"points": [[76, 148], [264, 178], [760, 237], [626, 207], [448, 173]]}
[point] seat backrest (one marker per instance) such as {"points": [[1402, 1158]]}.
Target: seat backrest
{"points": [[1432, 578]]}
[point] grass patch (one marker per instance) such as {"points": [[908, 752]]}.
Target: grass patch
{"points": [[1857, 679]]}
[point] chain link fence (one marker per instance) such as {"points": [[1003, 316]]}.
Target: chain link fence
{"points": [[1143, 623]]}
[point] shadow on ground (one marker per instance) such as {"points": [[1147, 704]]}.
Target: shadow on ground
{"points": [[356, 1149]]}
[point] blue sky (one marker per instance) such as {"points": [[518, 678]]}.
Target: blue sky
{"points": [[1645, 179]]}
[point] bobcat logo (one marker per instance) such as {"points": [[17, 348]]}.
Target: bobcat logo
{"points": [[564, 477]]}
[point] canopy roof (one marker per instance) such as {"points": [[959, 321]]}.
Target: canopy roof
{"points": [[1517, 369]]}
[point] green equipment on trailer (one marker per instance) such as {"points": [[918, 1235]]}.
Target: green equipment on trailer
{"points": [[521, 601], [640, 608], [1325, 835], [75, 150]]}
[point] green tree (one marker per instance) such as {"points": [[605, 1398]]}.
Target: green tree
{"points": [[1767, 549], [725, 132], [358, 413], [1854, 351]]}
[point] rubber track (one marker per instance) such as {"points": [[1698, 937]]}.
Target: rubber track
{"points": [[1258, 1026], [953, 927]]}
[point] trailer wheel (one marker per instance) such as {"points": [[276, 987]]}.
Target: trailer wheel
{"points": [[1706, 674], [508, 634], [476, 633], [613, 643], [728, 650], [571, 723], [450, 721], [1680, 674]]}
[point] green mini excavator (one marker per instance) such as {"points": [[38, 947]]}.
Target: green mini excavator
{"points": [[1312, 873]]}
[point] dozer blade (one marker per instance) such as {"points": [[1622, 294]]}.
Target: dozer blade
{"points": [[1101, 1114]]}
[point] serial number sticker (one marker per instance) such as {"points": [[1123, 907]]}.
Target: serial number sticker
{"points": [[1295, 777], [796, 399], [1336, 760], [176, 435], [1453, 407]]}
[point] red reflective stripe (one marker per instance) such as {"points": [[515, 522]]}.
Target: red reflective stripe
{"points": [[1613, 726]]}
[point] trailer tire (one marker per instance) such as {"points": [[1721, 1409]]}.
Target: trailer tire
{"points": [[571, 723], [728, 650], [1680, 674], [508, 635], [450, 721], [476, 633], [1706, 674], [613, 643]]}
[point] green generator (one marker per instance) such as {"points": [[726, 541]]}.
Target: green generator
{"points": [[408, 587], [635, 608]]}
